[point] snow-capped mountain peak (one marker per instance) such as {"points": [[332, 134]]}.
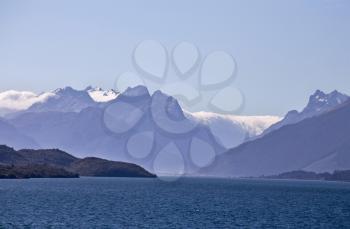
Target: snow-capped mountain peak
{"points": [[319, 102], [65, 99], [100, 95]]}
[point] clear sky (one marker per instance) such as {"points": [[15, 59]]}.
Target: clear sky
{"points": [[284, 49]]}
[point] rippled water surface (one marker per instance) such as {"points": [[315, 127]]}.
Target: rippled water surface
{"points": [[186, 203]]}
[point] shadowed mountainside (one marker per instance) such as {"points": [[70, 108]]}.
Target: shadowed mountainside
{"points": [[11, 136], [307, 144], [319, 103]]}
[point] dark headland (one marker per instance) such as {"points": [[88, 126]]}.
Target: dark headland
{"points": [[54, 163]]}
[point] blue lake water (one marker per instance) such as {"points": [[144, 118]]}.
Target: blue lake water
{"points": [[186, 203]]}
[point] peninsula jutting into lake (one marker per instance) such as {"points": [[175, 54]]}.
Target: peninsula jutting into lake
{"points": [[54, 163]]}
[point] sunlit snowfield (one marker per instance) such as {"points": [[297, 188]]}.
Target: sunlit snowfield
{"points": [[186, 203]]}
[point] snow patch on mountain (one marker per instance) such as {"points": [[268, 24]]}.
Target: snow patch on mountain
{"points": [[100, 95]]}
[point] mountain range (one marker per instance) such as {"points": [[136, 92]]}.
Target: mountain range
{"points": [[87, 123], [319, 142], [154, 131]]}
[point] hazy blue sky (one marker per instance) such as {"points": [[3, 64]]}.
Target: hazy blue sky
{"points": [[284, 49]]}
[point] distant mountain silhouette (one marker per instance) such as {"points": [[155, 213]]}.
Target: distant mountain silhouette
{"points": [[11, 136], [309, 144], [319, 103], [49, 159]]}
